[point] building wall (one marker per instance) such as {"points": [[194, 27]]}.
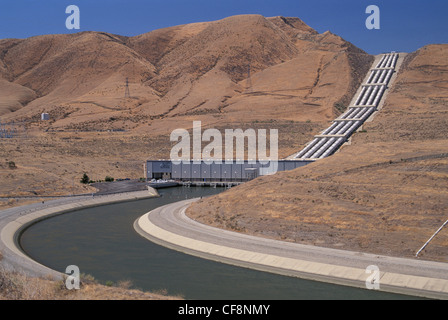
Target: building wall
{"points": [[235, 171]]}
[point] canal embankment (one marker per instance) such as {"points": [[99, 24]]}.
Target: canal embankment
{"points": [[169, 226]]}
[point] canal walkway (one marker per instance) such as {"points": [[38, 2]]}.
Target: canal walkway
{"points": [[169, 226]]}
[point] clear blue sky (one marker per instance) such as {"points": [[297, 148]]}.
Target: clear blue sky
{"points": [[405, 25]]}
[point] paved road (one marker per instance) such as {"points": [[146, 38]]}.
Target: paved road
{"points": [[169, 226], [119, 186]]}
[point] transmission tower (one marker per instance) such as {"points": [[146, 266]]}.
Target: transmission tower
{"points": [[127, 93], [249, 80]]}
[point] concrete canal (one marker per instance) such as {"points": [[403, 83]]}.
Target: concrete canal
{"points": [[102, 242]]}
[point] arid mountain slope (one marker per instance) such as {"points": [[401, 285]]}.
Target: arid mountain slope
{"points": [[176, 75], [198, 70], [386, 193]]}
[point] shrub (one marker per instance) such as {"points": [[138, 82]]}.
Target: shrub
{"points": [[340, 107], [109, 283], [85, 178], [109, 179]]}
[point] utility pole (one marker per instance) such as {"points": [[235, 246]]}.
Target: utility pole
{"points": [[127, 93], [424, 246], [249, 81]]}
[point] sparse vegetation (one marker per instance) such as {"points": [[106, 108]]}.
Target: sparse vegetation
{"points": [[386, 187], [19, 286], [340, 107], [109, 179], [85, 178]]}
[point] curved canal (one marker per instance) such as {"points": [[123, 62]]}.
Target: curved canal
{"points": [[102, 242]]}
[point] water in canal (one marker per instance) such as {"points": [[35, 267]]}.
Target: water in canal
{"points": [[102, 242]]}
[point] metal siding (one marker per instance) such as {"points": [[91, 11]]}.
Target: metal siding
{"points": [[213, 172], [281, 165], [303, 163], [290, 165], [236, 171], [176, 171], [149, 169], [161, 166], [216, 171], [245, 166], [257, 165], [205, 171], [186, 170], [226, 171], [196, 171]]}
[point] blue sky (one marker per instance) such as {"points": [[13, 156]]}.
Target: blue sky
{"points": [[405, 25]]}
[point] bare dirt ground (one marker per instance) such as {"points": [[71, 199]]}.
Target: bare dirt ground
{"points": [[46, 164], [386, 193]]}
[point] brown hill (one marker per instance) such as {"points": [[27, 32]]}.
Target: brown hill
{"points": [[386, 193], [176, 75], [196, 70]]}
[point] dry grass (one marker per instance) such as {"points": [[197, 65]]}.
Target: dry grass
{"points": [[179, 75], [19, 286], [385, 193]]}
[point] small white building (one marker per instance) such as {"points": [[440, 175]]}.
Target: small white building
{"points": [[44, 116]]}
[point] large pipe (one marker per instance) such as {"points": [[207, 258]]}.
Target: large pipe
{"points": [[372, 73], [381, 61], [373, 96], [366, 96], [389, 60], [350, 114], [370, 95], [361, 114], [323, 148], [383, 76], [345, 127], [386, 63], [315, 147], [336, 129], [308, 147], [353, 127], [332, 148], [366, 115], [378, 73], [389, 75], [347, 114], [379, 95], [394, 62], [333, 125], [357, 113], [361, 95]]}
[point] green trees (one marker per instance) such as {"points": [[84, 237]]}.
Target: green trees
{"points": [[85, 178]]}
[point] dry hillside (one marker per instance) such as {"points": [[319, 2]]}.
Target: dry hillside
{"points": [[386, 193], [240, 72], [19, 286]]}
